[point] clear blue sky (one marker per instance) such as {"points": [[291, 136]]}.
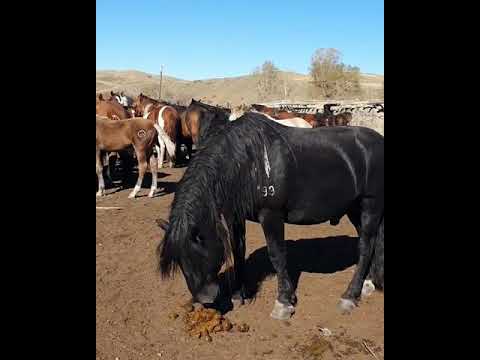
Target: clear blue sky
{"points": [[206, 38]]}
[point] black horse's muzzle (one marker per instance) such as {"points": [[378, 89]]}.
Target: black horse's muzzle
{"points": [[208, 294]]}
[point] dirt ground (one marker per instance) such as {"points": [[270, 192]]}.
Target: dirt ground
{"points": [[133, 304]]}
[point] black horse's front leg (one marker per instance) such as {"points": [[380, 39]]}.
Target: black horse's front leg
{"points": [[273, 227]]}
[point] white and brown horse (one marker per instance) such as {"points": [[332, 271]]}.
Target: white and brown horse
{"points": [[168, 119], [291, 122], [143, 135]]}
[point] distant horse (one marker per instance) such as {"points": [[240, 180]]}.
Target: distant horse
{"points": [[255, 169], [327, 118], [111, 109], [124, 100], [291, 122], [143, 135], [315, 120]]}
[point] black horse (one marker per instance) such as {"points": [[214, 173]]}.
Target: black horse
{"points": [[256, 169]]}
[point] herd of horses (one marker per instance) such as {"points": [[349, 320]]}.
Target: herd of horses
{"points": [[181, 124], [252, 163]]}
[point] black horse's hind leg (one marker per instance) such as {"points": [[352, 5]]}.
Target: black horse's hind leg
{"points": [[238, 293], [369, 223], [375, 272], [273, 227]]}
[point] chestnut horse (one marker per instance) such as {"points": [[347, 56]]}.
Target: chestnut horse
{"points": [[142, 134], [111, 109], [124, 100], [213, 116]]}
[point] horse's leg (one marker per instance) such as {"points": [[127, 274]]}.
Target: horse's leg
{"points": [[239, 294], [170, 162], [99, 169], [273, 228], [189, 150], [161, 154], [369, 223], [376, 274], [154, 171], [354, 216], [142, 167]]}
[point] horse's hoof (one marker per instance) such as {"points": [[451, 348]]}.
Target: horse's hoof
{"points": [[100, 194], [131, 196], [151, 194], [281, 311], [368, 288], [238, 299], [346, 306]]}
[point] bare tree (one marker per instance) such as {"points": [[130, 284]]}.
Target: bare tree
{"points": [[268, 81], [331, 77]]}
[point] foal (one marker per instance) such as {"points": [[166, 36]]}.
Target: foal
{"points": [[142, 134]]}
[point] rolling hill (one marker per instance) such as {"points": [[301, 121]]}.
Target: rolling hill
{"points": [[233, 90]]}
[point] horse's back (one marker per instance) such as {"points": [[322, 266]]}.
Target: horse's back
{"points": [[318, 174]]}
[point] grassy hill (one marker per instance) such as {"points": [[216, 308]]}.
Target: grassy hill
{"points": [[235, 90]]}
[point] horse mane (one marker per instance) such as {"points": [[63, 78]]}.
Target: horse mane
{"points": [[222, 180], [213, 121]]}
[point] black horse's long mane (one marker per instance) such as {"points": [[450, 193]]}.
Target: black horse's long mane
{"points": [[224, 176]]}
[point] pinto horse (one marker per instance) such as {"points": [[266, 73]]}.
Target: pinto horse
{"points": [[168, 119], [143, 103], [316, 120], [258, 170], [292, 122], [143, 135]]}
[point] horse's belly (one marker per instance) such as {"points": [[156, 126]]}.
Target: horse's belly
{"points": [[309, 211], [303, 217]]}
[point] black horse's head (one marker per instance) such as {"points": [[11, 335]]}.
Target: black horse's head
{"points": [[199, 250]]}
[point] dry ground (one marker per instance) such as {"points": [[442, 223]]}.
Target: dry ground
{"points": [[133, 304]]}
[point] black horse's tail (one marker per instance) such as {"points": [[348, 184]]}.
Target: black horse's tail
{"points": [[377, 266]]}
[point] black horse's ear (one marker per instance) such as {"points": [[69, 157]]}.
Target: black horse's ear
{"points": [[163, 224]]}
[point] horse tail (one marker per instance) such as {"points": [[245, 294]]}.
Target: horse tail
{"points": [[165, 139], [377, 266]]}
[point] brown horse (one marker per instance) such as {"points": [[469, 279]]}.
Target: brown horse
{"points": [[111, 109], [192, 126], [343, 119], [118, 135]]}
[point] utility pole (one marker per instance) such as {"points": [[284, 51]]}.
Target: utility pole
{"points": [[161, 77]]}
